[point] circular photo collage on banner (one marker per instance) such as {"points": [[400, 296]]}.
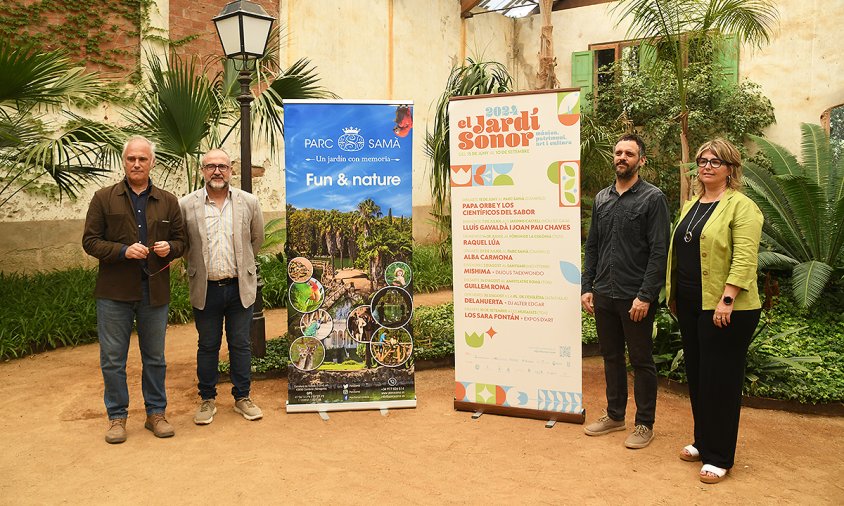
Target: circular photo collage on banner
{"points": [[307, 353], [398, 274], [318, 324], [306, 297], [391, 347], [300, 269], [360, 324], [392, 307]]}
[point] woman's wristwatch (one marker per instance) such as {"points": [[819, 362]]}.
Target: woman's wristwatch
{"points": [[728, 300]]}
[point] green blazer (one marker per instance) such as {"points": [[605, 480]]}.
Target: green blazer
{"points": [[729, 252]]}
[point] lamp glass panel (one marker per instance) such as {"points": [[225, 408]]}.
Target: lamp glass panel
{"points": [[229, 30], [255, 35]]}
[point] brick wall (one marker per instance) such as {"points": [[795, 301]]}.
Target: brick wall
{"points": [[189, 17], [47, 19]]}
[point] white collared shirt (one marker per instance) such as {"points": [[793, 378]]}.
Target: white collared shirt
{"points": [[222, 263]]}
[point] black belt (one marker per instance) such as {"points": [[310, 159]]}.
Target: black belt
{"points": [[222, 282]]}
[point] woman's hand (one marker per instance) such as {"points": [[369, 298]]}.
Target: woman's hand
{"points": [[721, 316]]}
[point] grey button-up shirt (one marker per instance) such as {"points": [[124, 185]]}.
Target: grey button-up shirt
{"points": [[627, 246]]}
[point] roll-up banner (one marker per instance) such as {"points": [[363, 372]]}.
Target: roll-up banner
{"points": [[350, 284], [515, 207]]}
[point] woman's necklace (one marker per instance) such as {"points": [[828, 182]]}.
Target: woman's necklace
{"points": [[692, 224]]}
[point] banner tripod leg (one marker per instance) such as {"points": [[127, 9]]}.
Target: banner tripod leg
{"points": [[477, 414], [324, 416]]}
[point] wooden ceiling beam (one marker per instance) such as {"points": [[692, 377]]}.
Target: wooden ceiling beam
{"points": [[466, 6], [571, 4]]}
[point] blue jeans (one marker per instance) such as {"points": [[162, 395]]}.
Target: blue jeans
{"points": [[223, 303], [115, 320]]}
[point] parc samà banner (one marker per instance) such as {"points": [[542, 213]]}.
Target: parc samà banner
{"points": [[515, 207], [350, 296]]}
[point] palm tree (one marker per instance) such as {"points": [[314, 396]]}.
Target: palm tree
{"points": [[187, 112], [32, 154], [182, 110], [672, 26], [803, 204], [472, 78]]}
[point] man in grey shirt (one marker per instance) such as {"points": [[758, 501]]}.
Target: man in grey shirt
{"points": [[624, 272]]}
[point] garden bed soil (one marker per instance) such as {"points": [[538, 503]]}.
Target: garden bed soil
{"points": [[53, 448]]}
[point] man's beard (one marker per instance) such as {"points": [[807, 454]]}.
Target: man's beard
{"points": [[627, 172], [218, 184]]}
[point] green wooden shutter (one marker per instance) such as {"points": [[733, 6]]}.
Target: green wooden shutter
{"points": [[726, 60], [581, 75], [647, 56]]}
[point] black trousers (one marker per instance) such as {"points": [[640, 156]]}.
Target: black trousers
{"points": [[715, 360], [615, 329]]}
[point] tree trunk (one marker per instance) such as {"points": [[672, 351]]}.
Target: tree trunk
{"points": [[684, 157], [338, 238], [545, 77], [329, 244]]}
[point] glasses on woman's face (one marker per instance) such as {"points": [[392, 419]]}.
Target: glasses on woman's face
{"points": [[214, 167], [713, 162]]}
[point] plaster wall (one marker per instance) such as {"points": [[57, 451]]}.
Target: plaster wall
{"points": [[798, 71], [801, 69]]}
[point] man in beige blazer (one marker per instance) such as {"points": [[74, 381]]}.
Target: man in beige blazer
{"points": [[225, 230]]}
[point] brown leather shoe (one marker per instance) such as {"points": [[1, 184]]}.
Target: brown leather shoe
{"points": [[159, 425], [116, 431]]}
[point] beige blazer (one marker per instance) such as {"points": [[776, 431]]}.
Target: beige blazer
{"points": [[248, 224]]}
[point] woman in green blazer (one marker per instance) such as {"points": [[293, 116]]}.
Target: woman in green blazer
{"points": [[711, 287]]}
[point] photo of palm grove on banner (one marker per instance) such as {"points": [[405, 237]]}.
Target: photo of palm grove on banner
{"points": [[349, 246]]}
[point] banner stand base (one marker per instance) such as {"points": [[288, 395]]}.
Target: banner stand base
{"points": [[536, 414], [550, 424], [324, 408]]}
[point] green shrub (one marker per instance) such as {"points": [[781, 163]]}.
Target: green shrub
{"points": [[589, 333], [47, 310], [796, 355], [274, 274], [433, 332], [430, 271], [180, 310], [822, 335], [276, 359]]}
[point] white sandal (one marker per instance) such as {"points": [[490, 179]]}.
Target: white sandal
{"points": [[690, 454], [718, 473]]}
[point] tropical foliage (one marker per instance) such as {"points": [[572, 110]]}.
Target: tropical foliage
{"points": [[803, 204], [55, 309], [647, 98], [472, 78], [669, 28], [430, 271], [34, 154], [186, 112]]}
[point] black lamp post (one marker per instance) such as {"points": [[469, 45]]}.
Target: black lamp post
{"points": [[244, 30]]}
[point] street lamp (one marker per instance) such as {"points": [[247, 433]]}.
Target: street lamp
{"points": [[244, 30]]}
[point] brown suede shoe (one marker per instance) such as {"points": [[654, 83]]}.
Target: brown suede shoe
{"points": [[159, 425], [116, 431]]}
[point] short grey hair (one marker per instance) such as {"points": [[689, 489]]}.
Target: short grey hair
{"points": [[139, 138]]}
